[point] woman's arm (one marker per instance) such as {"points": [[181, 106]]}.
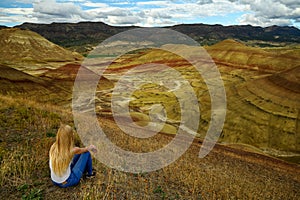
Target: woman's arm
{"points": [[78, 150]]}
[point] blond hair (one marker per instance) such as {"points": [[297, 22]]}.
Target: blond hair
{"points": [[60, 152]]}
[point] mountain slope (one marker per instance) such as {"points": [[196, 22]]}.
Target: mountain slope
{"points": [[66, 75], [75, 34], [262, 89], [18, 84], [28, 51], [243, 32], [233, 53], [262, 93]]}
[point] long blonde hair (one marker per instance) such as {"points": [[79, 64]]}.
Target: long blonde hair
{"points": [[60, 152]]}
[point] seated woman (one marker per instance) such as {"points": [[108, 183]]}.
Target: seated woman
{"points": [[68, 163]]}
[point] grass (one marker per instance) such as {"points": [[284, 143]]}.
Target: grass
{"points": [[24, 169], [27, 131]]}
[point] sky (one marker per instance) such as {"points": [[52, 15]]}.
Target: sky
{"points": [[153, 13]]}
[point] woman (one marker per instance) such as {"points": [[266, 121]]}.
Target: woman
{"points": [[68, 163]]}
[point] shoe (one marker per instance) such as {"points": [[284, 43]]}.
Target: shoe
{"points": [[90, 176]]}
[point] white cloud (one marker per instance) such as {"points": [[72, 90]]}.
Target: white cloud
{"points": [[270, 12], [123, 20], [16, 11], [25, 1], [205, 1], [153, 3], [196, 10], [60, 10], [95, 5], [158, 22], [262, 21], [16, 15]]}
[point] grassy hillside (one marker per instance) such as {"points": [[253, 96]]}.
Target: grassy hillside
{"points": [[28, 131]]}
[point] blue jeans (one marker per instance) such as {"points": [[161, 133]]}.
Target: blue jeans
{"points": [[81, 163]]}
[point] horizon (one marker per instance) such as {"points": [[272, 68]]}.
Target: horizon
{"points": [[154, 13]]}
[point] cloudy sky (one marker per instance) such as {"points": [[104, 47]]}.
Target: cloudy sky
{"points": [[152, 13]]}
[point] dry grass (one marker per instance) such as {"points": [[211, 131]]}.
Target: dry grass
{"points": [[27, 130], [24, 169], [218, 176]]}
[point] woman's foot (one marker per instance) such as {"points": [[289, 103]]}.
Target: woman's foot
{"points": [[92, 175]]}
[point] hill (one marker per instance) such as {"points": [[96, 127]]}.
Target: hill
{"points": [[262, 90], [288, 79], [30, 52], [17, 84], [236, 54], [66, 75]]}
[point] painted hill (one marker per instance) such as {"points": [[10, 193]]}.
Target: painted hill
{"points": [[263, 111], [236, 54], [18, 84], [289, 79], [13, 75], [66, 75], [263, 91], [30, 52], [67, 72]]}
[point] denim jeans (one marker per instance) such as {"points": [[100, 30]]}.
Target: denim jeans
{"points": [[81, 163]]}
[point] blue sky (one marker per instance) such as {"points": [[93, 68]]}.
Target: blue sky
{"points": [[153, 13]]}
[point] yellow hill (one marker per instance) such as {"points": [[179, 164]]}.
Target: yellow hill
{"points": [[30, 52], [236, 54]]}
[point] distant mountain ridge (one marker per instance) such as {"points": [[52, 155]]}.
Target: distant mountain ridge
{"points": [[84, 33], [75, 34], [241, 32]]}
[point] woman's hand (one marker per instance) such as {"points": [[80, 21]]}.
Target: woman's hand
{"points": [[92, 148]]}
